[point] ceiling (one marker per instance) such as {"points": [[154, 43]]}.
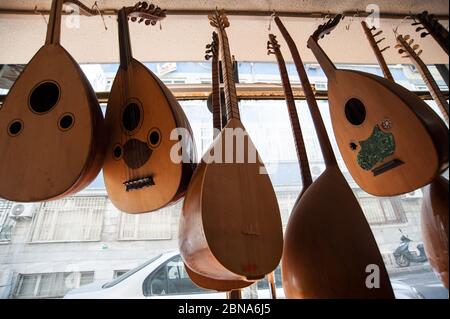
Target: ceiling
{"points": [[399, 6], [183, 37]]}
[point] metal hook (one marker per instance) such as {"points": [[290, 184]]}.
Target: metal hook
{"points": [[97, 8], [40, 12], [272, 17], [356, 15]]}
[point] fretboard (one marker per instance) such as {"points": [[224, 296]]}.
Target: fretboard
{"points": [[124, 40], [231, 100], [54, 25], [216, 107]]}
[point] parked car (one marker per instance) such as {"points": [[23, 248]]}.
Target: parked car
{"points": [[164, 277]]}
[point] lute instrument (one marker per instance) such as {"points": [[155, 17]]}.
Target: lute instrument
{"points": [[230, 226], [427, 24], [212, 53], [51, 126], [391, 141], [328, 242], [435, 202], [140, 174], [407, 48]]}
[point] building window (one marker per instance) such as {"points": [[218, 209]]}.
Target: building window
{"points": [[6, 223], [69, 219], [382, 211], [150, 226], [50, 285]]}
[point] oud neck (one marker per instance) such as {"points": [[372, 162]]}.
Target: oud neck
{"points": [[325, 62], [433, 87], [379, 55], [438, 32], [295, 123], [54, 25], [231, 100], [124, 40], [216, 105], [324, 140]]}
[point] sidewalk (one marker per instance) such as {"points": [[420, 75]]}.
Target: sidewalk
{"points": [[423, 267]]}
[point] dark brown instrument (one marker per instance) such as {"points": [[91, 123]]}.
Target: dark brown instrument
{"points": [[230, 226], [140, 173], [51, 126], [212, 53], [427, 24], [406, 47], [391, 141], [434, 224], [328, 242]]}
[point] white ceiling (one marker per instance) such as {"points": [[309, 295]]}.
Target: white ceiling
{"points": [[183, 38]]}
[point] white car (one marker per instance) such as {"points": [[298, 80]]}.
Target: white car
{"points": [[164, 277]]}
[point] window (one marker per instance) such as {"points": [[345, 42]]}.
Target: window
{"points": [[118, 273], [155, 225], [5, 222], [50, 285], [264, 283], [69, 219], [171, 279], [379, 211]]}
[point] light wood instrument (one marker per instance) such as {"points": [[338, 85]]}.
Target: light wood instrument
{"points": [[435, 204], [51, 126], [140, 175], [434, 225], [230, 226], [427, 24], [407, 48], [391, 141], [328, 242], [230, 286]]}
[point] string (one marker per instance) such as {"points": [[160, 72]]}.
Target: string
{"points": [[398, 25], [42, 15], [272, 17], [97, 8]]}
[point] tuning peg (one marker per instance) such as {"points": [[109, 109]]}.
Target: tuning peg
{"points": [[381, 40], [424, 34], [208, 46], [208, 57], [405, 56], [407, 37], [382, 50], [377, 34], [411, 41], [415, 47], [373, 28], [420, 29], [144, 5], [419, 53], [133, 19], [416, 23], [397, 46], [401, 51]]}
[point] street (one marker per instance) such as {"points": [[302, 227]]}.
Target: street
{"points": [[425, 282]]}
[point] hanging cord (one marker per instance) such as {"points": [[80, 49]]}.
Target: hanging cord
{"points": [[398, 25], [272, 17]]}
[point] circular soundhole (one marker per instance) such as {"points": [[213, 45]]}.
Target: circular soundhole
{"points": [[353, 146], [154, 138], [15, 127], [66, 122], [117, 152], [44, 97], [355, 111], [131, 117]]}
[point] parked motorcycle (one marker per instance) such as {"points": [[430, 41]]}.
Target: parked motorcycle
{"points": [[404, 257]]}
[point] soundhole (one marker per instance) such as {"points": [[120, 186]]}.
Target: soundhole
{"points": [[355, 111], [15, 128], [66, 122], [44, 97], [353, 146], [117, 152], [131, 117], [154, 137]]}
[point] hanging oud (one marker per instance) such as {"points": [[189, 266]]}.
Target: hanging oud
{"points": [[51, 126], [230, 226], [212, 53], [391, 141], [140, 175], [328, 242], [406, 47], [427, 24], [435, 203]]}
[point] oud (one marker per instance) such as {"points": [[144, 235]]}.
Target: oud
{"points": [[328, 232], [51, 126], [230, 226], [391, 141], [427, 24], [140, 175]]}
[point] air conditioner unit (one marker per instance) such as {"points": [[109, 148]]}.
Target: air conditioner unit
{"points": [[22, 211], [414, 195]]}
